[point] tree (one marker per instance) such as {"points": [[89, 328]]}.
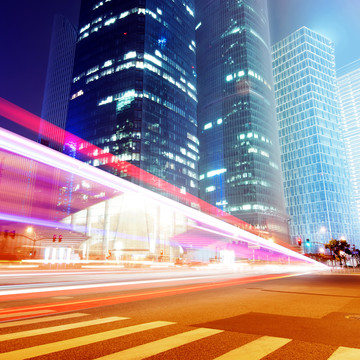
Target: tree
{"points": [[356, 255], [340, 248]]}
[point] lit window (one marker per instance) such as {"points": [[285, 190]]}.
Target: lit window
{"points": [[191, 86], [219, 121], [229, 78], [107, 63], [124, 14], [152, 59], [207, 126], [202, 176], [130, 55], [210, 189], [87, 26], [79, 93], [110, 21], [215, 172], [190, 11], [98, 5], [108, 100]]}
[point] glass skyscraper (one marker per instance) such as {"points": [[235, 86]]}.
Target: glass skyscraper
{"points": [[239, 163], [348, 78], [58, 80], [134, 86], [316, 181]]}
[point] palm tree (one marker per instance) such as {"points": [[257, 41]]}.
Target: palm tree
{"points": [[340, 248]]}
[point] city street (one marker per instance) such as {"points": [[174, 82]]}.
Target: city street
{"points": [[182, 313]]}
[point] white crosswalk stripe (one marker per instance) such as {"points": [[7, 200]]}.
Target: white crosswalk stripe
{"points": [[159, 346], [345, 353], [58, 328], [80, 341], [253, 350]]}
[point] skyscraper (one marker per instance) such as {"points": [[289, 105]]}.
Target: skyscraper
{"points": [[58, 79], [134, 85], [239, 163], [348, 78], [316, 182]]}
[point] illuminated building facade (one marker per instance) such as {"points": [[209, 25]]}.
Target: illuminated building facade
{"points": [[239, 167], [133, 91], [110, 219], [58, 79], [316, 181], [348, 78]]}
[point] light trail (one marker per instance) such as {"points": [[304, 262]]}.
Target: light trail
{"points": [[44, 289], [76, 305], [14, 143]]}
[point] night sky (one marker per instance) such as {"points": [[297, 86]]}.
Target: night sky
{"points": [[25, 32]]}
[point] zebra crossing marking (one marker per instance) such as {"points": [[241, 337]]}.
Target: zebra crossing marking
{"points": [[256, 349], [58, 328], [80, 341], [345, 353], [40, 320], [159, 346]]}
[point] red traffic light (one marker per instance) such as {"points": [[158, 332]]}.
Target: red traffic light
{"points": [[60, 238], [161, 252], [54, 238], [299, 241]]}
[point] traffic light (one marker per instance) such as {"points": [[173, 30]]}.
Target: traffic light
{"points": [[60, 238], [161, 252], [299, 241], [307, 242], [54, 238]]}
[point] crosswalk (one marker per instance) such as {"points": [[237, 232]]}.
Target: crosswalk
{"points": [[75, 333]]}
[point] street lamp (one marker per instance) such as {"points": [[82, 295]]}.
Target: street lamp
{"points": [[30, 231]]}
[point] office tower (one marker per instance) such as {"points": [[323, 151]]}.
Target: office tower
{"points": [[316, 182], [348, 78], [58, 80], [239, 167], [134, 86]]}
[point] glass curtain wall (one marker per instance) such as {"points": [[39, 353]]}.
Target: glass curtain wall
{"points": [[240, 158]]}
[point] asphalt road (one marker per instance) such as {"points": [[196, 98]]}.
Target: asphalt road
{"points": [[180, 314]]}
